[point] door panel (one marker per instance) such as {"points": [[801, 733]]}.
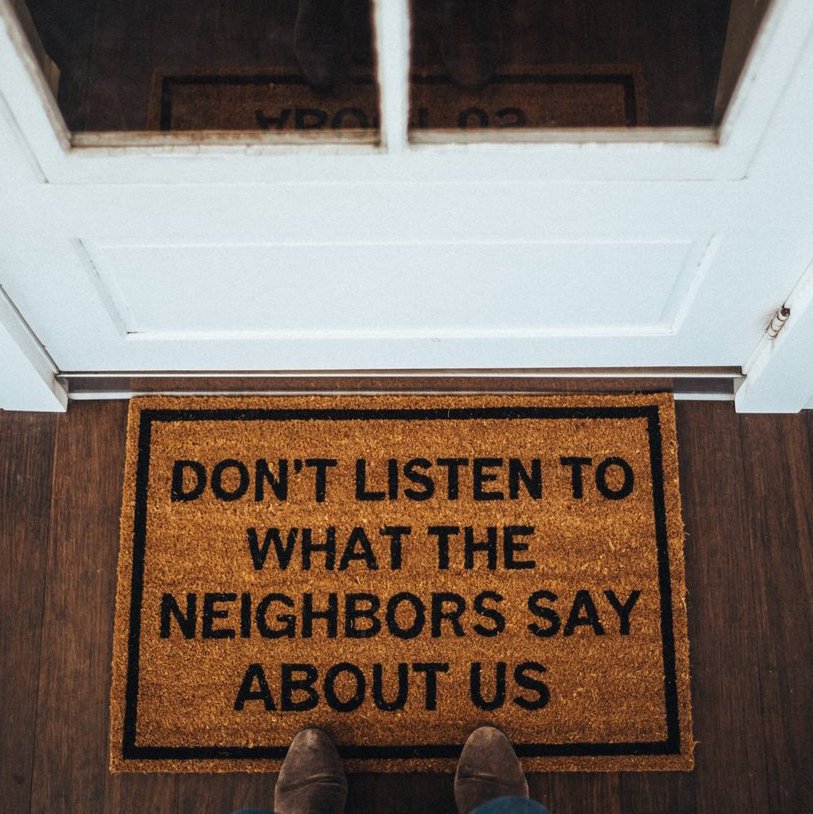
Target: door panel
{"points": [[578, 253], [270, 278], [397, 289]]}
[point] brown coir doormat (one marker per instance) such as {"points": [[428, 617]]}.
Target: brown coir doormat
{"points": [[398, 571], [276, 100], [518, 97]]}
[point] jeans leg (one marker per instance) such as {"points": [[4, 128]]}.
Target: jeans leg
{"points": [[511, 805]]}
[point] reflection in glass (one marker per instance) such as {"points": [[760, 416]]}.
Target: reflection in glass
{"points": [[288, 66], [491, 64]]}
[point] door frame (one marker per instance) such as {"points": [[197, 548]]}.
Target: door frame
{"points": [[779, 376], [28, 376]]}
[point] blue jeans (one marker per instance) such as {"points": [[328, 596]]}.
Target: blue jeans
{"points": [[501, 805]]}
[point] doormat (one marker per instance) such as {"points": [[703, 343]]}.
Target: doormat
{"points": [[547, 96], [399, 571], [280, 101], [275, 101]]}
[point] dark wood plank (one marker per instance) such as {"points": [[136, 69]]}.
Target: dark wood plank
{"points": [[779, 488], [577, 793], [183, 36], [126, 793], [26, 453], [539, 787], [67, 32], [725, 667], [667, 45], [70, 766], [401, 794], [712, 21], [224, 793]]}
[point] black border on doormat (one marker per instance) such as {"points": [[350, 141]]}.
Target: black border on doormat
{"points": [[669, 746], [625, 80]]}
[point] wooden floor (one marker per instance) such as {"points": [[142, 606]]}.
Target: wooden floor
{"points": [[748, 504]]}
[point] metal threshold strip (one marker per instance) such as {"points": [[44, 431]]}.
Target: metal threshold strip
{"points": [[686, 383]]}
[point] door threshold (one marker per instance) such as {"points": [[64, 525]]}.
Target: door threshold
{"points": [[700, 383]]}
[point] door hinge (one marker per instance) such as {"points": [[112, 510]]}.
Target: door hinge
{"points": [[778, 322]]}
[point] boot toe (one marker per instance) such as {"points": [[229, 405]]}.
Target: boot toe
{"points": [[488, 768], [312, 779]]}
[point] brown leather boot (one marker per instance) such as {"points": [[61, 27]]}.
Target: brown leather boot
{"points": [[312, 779], [488, 768]]}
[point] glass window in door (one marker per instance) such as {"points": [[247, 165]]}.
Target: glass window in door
{"points": [[293, 67], [490, 65]]}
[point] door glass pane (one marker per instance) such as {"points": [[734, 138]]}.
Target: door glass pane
{"points": [[278, 66], [492, 64]]}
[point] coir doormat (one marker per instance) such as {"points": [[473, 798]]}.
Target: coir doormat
{"points": [[281, 101], [398, 571]]}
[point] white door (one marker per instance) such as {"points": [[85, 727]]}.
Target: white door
{"points": [[654, 248]]}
